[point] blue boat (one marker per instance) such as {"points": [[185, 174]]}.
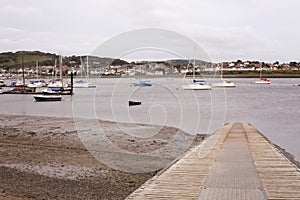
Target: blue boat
{"points": [[142, 83]]}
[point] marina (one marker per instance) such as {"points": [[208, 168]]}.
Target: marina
{"points": [[172, 106], [150, 100]]}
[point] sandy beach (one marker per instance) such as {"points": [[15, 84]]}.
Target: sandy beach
{"points": [[43, 158]]}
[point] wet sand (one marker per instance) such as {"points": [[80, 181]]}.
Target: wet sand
{"points": [[43, 158]]}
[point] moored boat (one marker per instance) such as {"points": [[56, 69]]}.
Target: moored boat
{"points": [[263, 81], [48, 91], [134, 103], [47, 98], [197, 85], [142, 83], [2, 83], [225, 84]]}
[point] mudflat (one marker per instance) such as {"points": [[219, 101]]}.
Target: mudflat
{"points": [[44, 158]]}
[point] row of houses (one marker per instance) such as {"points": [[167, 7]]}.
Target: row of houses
{"points": [[154, 68]]}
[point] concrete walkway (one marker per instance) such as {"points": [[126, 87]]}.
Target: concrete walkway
{"points": [[228, 165]]}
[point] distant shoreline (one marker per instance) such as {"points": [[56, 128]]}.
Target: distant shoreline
{"points": [[198, 76]]}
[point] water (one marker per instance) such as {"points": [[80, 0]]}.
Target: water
{"points": [[273, 109]]}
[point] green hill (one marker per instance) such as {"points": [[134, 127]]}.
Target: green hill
{"points": [[14, 60], [10, 59]]}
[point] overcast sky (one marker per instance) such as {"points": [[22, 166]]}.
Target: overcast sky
{"points": [[265, 30]]}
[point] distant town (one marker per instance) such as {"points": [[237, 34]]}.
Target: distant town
{"points": [[37, 64]]}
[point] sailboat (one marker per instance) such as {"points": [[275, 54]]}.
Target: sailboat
{"points": [[82, 83], [37, 83], [197, 84], [224, 83], [142, 83], [262, 80], [58, 84]]}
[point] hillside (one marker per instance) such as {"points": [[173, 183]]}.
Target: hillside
{"points": [[14, 59], [10, 59]]}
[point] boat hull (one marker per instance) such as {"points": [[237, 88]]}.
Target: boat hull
{"points": [[142, 84], [134, 103], [262, 82], [196, 87], [224, 85], [47, 98]]}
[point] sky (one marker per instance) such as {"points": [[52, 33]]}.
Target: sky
{"points": [[227, 30]]}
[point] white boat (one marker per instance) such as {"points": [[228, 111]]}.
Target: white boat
{"points": [[197, 84], [48, 91], [262, 80], [19, 83], [37, 84], [84, 83], [80, 84], [224, 83], [57, 84]]}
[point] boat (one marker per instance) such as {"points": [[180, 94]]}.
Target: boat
{"points": [[142, 83], [47, 98], [262, 80], [225, 83], [84, 83], [2, 83], [58, 83], [197, 84], [37, 84], [134, 103], [48, 91], [80, 84]]}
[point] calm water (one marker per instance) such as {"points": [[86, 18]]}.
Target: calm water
{"points": [[273, 109]]}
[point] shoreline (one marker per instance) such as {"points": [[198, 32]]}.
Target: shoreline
{"points": [[44, 158], [247, 75]]}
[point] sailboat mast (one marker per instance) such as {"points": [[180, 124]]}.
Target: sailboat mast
{"points": [[60, 68], [87, 67], [222, 70], [54, 68], [23, 71], [194, 52], [81, 67], [194, 69], [260, 64], [37, 69]]}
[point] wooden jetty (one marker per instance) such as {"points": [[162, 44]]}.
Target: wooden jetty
{"points": [[236, 162]]}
